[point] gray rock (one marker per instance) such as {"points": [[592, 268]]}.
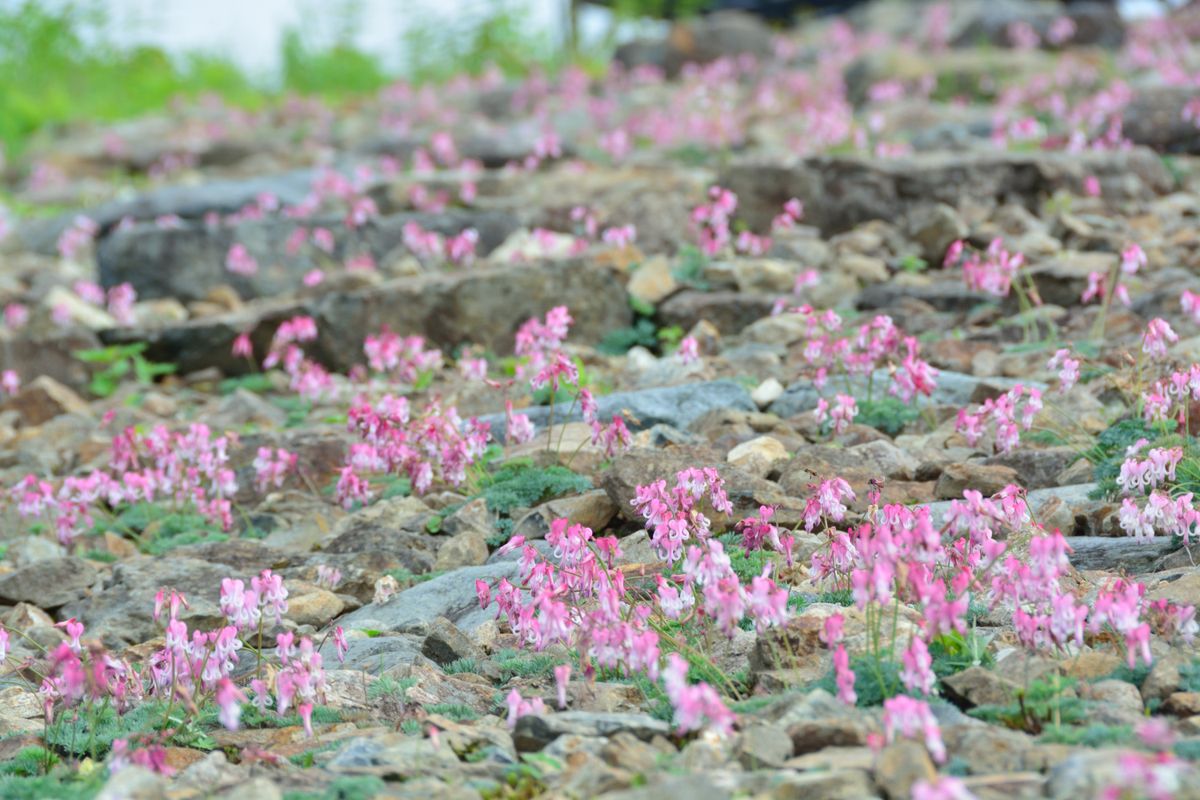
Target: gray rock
{"points": [[120, 610], [451, 595], [29, 549], [187, 202], [484, 307], [839, 192], [533, 732], [701, 40], [729, 311], [446, 644], [394, 755], [676, 406], [1096, 23], [48, 583], [188, 262], [373, 654], [1154, 118]]}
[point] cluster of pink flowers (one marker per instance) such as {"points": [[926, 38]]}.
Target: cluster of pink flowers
{"points": [[1157, 338], [711, 220], [1155, 775], [320, 238], [404, 358], [907, 717], [992, 271], [188, 469], [845, 409], [239, 261], [1067, 367], [792, 212], [271, 468], [307, 378], [871, 346], [1155, 470], [1006, 412], [831, 636], [539, 345], [694, 704], [619, 236], [78, 236], [581, 600], [674, 516], [1121, 607], [120, 300], [434, 444], [1170, 515], [431, 247]]}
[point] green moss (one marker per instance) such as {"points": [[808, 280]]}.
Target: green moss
{"points": [[360, 787], [887, 414], [455, 711]]}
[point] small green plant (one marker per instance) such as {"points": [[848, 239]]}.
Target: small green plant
{"points": [[913, 264], [346, 787], [386, 686], [620, 341], [520, 484], [118, 361], [1095, 735], [462, 665], [888, 414], [689, 270], [455, 711], [1044, 705], [517, 665]]}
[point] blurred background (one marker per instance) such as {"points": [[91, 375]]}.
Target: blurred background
{"points": [[102, 60]]}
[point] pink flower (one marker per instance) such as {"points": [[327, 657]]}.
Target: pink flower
{"points": [[689, 350], [16, 316], [1095, 287], [1091, 186], [239, 261], [831, 634], [562, 674], [917, 674], [844, 676], [520, 707], [694, 704], [619, 237], [944, 787], [1190, 303], [510, 545], [907, 717], [519, 429], [1132, 258], [1068, 369], [340, 644], [243, 347], [1157, 337], [314, 277], [328, 577], [121, 299], [10, 382], [229, 699], [845, 409]]}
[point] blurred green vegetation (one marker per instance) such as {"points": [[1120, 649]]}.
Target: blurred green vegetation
{"points": [[60, 63]]}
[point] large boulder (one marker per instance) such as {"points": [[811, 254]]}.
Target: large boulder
{"points": [[187, 262], [840, 192], [483, 307]]}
